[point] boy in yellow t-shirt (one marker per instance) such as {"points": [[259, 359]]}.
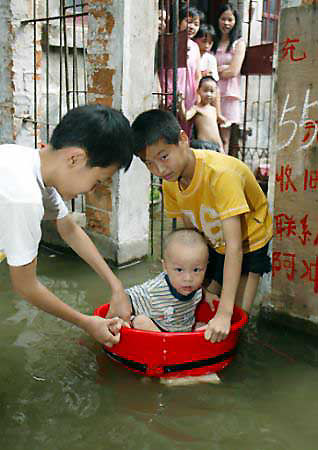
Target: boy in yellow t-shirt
{"points": [[218, 195]]}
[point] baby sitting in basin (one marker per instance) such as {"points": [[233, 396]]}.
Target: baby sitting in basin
{"points": [[168, 301]]}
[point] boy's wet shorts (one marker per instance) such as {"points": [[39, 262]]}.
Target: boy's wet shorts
{"points": [[256, 262], [205, 145]]}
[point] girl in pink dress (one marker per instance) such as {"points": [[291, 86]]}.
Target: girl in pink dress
{"points": [[229, 51]]}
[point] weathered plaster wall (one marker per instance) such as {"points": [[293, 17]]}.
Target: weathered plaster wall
{"points": [[138, 73], [6, 85], [17, 72], [295, 245], [121, 55], [22, 71]]}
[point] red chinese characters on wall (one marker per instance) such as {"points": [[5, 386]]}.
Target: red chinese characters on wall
{"points": [[301, 229], [286, 183], [287, 227], [311, 127], [297, 132], [290, 52], [286, 262]]}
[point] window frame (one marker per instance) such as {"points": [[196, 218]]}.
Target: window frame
{"points": [[267, 17]]}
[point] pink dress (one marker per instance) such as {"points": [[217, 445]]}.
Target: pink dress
{"points": [[186, 83], [230, 88]]}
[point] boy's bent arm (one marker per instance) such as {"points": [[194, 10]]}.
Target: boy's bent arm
{"points": [[219, 327], [184, 114], [26, 284], [81, 243], [191, 112]]}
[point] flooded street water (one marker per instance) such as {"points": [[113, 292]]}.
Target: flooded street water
{"points": [[58, 390]]}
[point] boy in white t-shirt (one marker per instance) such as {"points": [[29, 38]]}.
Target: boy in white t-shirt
{"points": [[87, 147]]}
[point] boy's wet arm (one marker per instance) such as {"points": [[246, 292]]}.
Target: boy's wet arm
{"points": [[233, 262], [219, 327], [23, 278], [27, 285]]}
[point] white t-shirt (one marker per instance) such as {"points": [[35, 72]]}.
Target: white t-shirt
{"points": [[24, 202], [208, 63]]}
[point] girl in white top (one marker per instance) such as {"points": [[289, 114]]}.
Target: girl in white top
{"points": [[205, 38]]}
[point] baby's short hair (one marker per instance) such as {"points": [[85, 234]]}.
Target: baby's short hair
{"points": [[188, 237]]}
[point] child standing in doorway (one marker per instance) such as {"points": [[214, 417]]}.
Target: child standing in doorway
{"points": [[229, 50], [187, 77], [204, 114], [208, 66], [219, 196]]}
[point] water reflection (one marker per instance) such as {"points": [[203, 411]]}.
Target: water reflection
{"points": [[58, 390]]}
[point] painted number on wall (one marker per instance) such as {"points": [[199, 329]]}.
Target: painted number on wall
{"points": [[303, 121]]}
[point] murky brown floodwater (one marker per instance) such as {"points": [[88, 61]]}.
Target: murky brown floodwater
{"points": [[59, 391]]}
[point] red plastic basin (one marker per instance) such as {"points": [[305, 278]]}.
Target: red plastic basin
{"points": [[163, 354]]}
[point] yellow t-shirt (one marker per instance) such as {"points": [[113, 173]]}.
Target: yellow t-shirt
{"points": [[221, 187]]}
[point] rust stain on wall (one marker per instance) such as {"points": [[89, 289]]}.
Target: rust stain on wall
{"points": [[110, 22], [98, 221], [38, 57], [101, 198], [103, 2], [102, 80], [99, 59], [107, 23], [101, 91]]}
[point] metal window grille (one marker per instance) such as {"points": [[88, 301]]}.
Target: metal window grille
{"points": [[59, 66], [270, 20]]}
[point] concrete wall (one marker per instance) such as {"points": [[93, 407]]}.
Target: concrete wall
{"points": [[294, 292], [121, 55], [6, 85]]}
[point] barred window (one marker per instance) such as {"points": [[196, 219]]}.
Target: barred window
{"points": [[270, 20]]}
